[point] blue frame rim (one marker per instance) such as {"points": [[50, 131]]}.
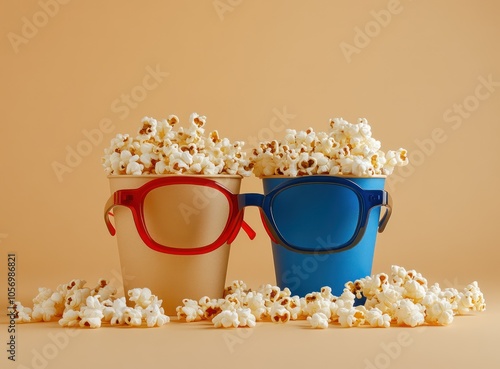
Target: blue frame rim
{"points": [[363, 198]]}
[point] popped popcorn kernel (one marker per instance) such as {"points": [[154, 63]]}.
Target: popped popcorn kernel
{"points": [[408, 313], [376, 318], [154, 314], [190, 311], [132, 317], [246, 318], [226, 319], [70, 318], [141, 296], [23, 314], [91, 314], [318, 320], [278, 313], [350, 317]]}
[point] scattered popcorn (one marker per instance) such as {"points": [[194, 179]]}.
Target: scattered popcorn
{"points": [[77, 305], [318, 320], [347, 149], [160, 149], [402, 298]]}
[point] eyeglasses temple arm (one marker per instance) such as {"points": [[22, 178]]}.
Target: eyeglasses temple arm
{"points": [[248, 230], [107, 212], [385, 219]]}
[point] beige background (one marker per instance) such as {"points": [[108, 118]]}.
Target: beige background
{"points": [[69, 73]]}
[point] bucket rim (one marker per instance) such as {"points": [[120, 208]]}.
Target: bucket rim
{"points": [[378, 176], [128, 176]]}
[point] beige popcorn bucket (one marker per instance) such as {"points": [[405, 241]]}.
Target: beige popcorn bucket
{"points": [[164, 233]]}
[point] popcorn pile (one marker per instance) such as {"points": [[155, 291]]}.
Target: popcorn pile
{"points": [[160, 149], [77, 305], [402, 298], [347, 149]]}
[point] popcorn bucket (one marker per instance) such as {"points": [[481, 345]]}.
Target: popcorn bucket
{"points": [[180, 215], [321, 218]]}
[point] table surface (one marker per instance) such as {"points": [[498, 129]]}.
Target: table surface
{"points": [[470, 340]]}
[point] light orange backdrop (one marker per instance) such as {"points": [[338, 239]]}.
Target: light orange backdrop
{"points": [[425, 74]]}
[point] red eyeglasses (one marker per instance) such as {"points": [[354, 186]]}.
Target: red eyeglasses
{"points": [[181, 215]]}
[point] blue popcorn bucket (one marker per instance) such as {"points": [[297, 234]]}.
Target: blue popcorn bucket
{"points": [[324, 229]]}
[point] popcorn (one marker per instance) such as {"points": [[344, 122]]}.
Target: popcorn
{"points": [[118, 308], [190, 312], [414, 290], [108, 310], [104, 290], [403, 298], [70, 318], [439, 311], [77, 298], [376, 318], [408, 313], [351, 317], [257, 304], [141, 296], [160, 149], [226, 319], [132, 317], [293, 305], [91, 314], [473, 292], [44, 311], [318, 320], [245, 317], [278, 313], [347, 149], [77, 305], [23, 314], [316, 303], [210, 307]]}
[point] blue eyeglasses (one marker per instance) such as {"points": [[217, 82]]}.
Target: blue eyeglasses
{"points": [[300, 211], [296, 213]]}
